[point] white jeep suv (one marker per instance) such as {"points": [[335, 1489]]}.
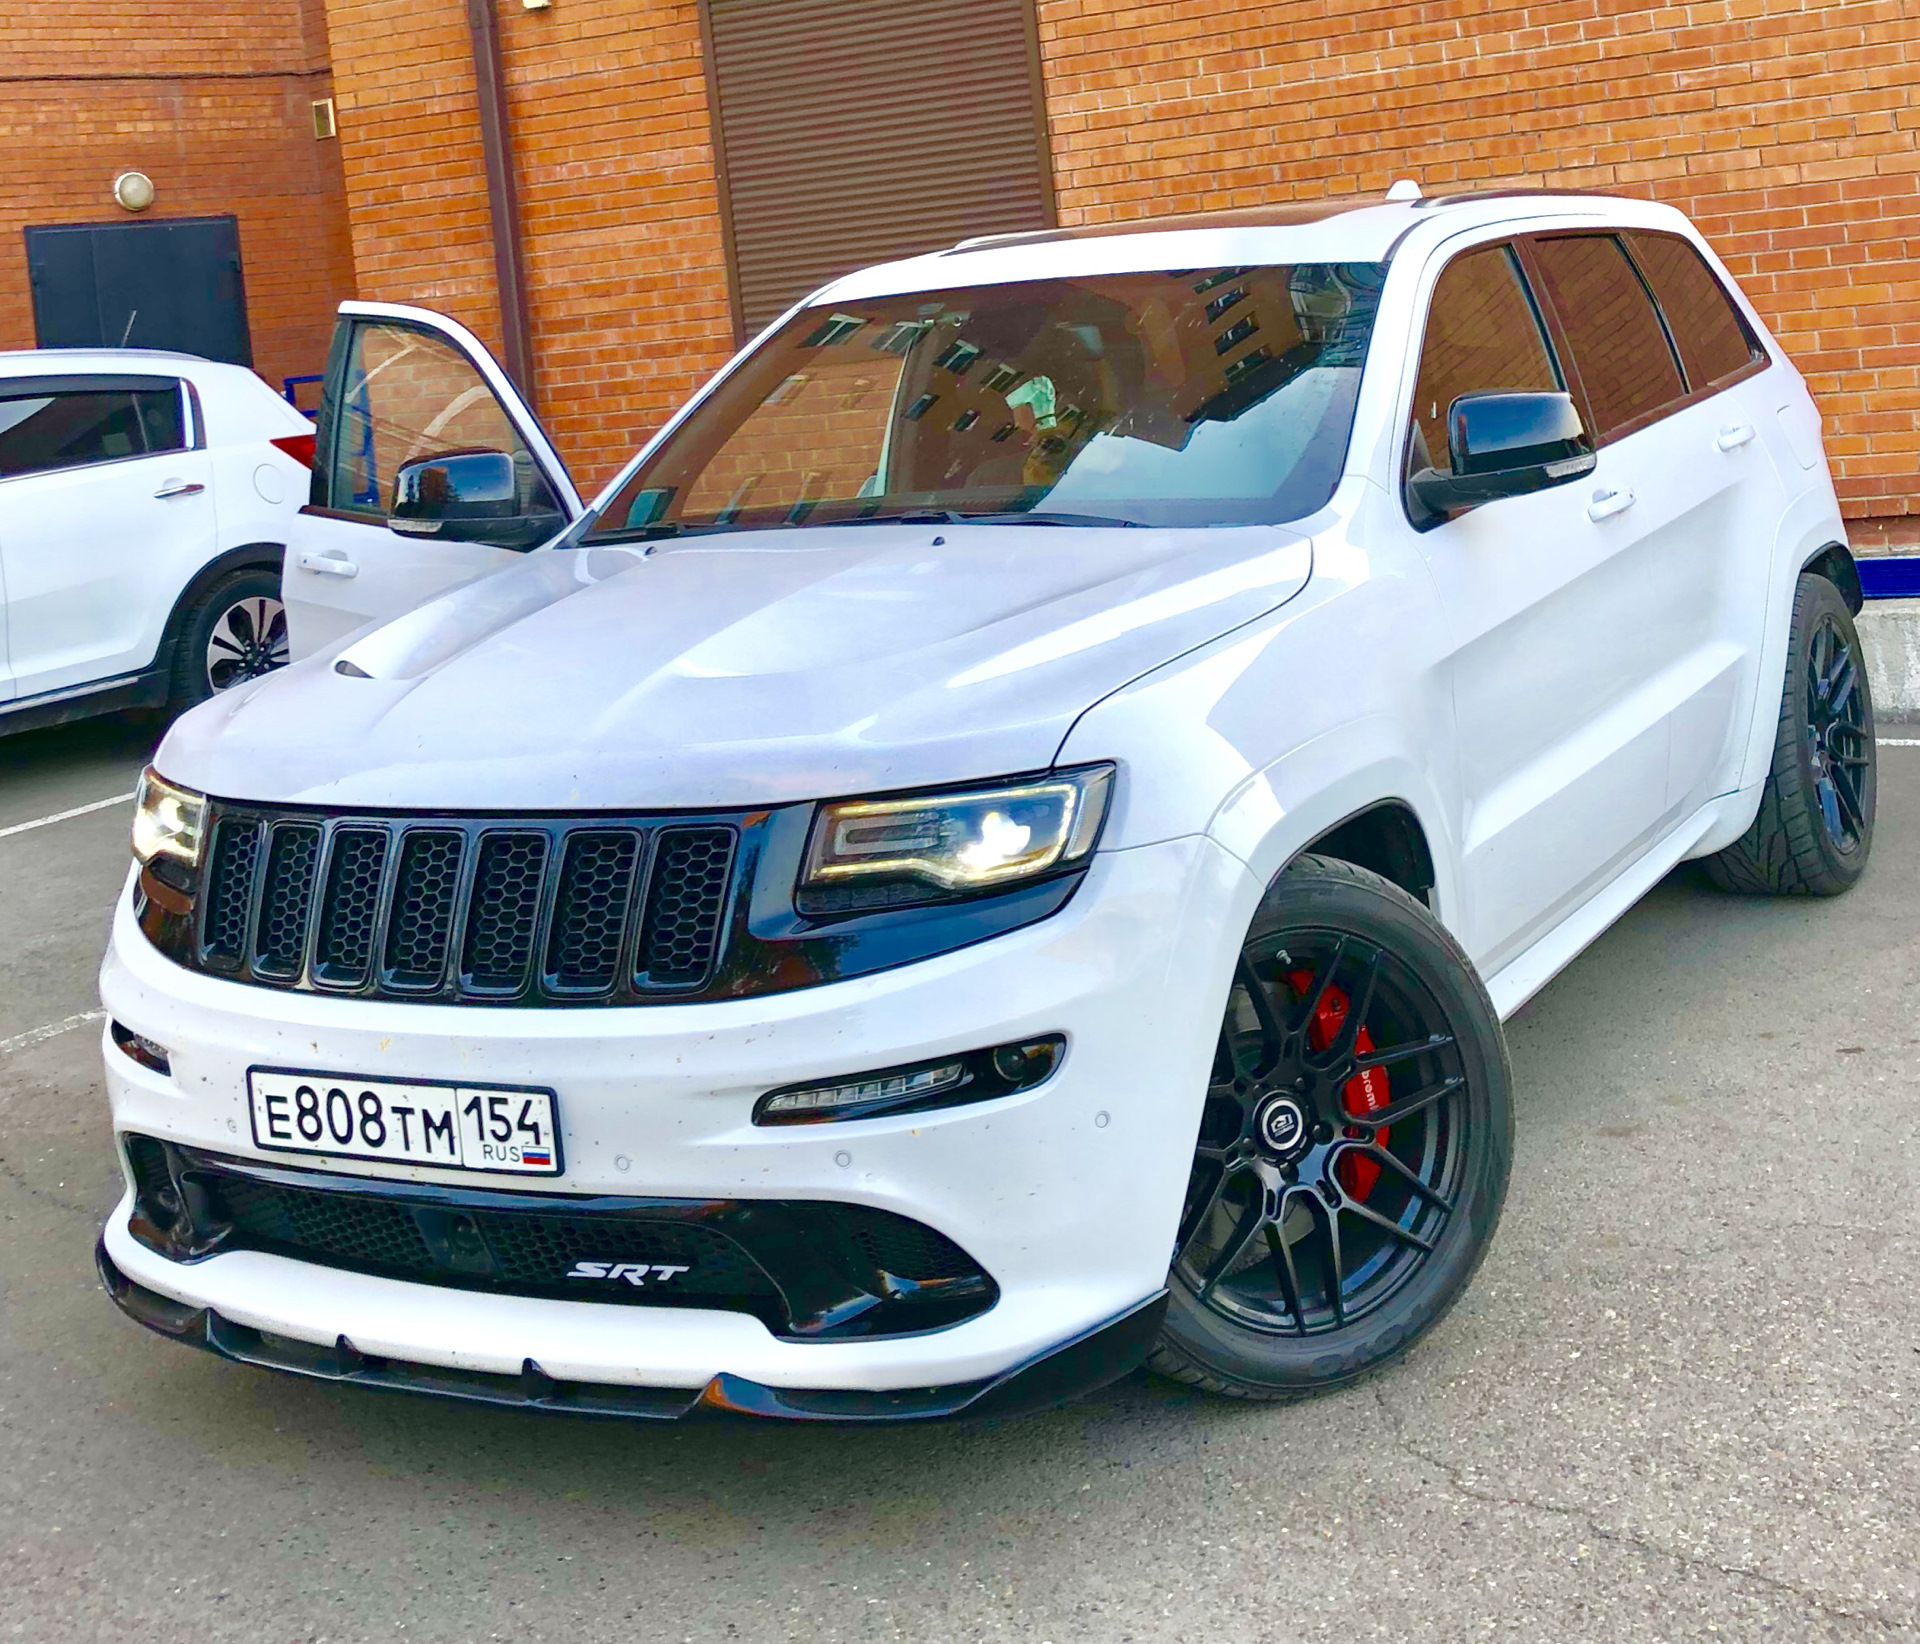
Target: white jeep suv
{"points": [[998, 849]]}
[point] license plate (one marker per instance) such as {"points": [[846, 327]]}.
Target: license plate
{"points": [[488, 1128]]}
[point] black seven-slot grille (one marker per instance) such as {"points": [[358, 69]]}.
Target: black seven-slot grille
{"points": [[507, 910]]}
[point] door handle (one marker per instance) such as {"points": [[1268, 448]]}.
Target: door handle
{"points": [[329, 565], [180, 488], [1733, 436], [1605, 504]]}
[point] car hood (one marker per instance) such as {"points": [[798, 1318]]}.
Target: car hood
{"points": [[737, 670]]}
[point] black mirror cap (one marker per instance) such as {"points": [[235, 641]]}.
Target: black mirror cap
{"points": [[1489, 433], [456, 485], [470, 496], [1433, 497], [1502, 445]]}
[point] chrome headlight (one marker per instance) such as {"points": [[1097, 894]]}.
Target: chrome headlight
{"points": [[979, 840], [167, 821]]}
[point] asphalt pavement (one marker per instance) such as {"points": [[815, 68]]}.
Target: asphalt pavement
{"points": [[1682, 1399]]}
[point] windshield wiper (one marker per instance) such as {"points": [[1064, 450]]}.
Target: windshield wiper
{"points": [[948, 516], [910, 516], [1039, 516], [659, 531]]}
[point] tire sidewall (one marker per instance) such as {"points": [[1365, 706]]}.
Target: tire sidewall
{"points": [[190, 684], [1316, 893], [1814, 599]]}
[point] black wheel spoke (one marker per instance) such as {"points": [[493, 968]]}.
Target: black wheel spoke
{"points": [[1358, 1004], [1841, 781], [1236, 1247], [1828, 798], [1329, 1219], [1415, 1182], [1199, 1219], [1386, 1224], [1324, 980], [1841, 693], [1401, 1053], [1272, 1034], [1395, 1112], [1284, 1271]]}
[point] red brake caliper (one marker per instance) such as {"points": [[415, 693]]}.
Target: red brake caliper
{"points": [[1366, 1092]]}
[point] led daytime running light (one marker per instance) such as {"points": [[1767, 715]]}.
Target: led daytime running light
{"points": [[977, 1076], [896, 1087]]}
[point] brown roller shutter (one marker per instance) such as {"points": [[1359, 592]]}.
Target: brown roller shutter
{"points": [[854, 131]]}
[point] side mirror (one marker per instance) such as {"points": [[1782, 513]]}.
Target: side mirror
{"points": [[473, 496], [1503, 445]]}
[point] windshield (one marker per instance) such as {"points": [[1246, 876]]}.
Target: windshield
{"points": [[1210, 396]]}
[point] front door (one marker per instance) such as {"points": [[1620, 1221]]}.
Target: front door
{"points": [[105, 510], [402, 384], [1562, 742]]}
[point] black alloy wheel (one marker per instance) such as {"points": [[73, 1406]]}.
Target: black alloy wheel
{"points": [[1839, 743], [237, 631], [1814, 829], [1353, 1148]]}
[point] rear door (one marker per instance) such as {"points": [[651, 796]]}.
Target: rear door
{"points": [[1718, 562], [1683, 491], [402, 384], [106, 508]]}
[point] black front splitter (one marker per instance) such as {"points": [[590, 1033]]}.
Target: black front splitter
{"points": [[1062, 1373]]}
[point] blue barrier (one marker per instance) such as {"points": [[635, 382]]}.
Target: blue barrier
{"points": [[1894, 578], [289, 384]]}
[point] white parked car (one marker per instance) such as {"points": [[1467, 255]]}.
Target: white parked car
{"points": [[998, 849], [145, 502]]}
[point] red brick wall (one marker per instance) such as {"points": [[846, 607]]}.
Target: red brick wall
{"points": [[1789, 129], [618, 199], [212, 100]]}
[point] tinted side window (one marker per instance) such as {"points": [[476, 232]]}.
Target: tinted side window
{"points": [[1620, 352], [409, 394], [65, 428], [1713, 339], [1482, 336]]}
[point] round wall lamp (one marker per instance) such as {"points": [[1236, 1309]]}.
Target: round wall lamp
{"points": [[134, 190]]}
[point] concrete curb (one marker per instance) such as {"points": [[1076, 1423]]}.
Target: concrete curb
{"points": [[1890, 635]]}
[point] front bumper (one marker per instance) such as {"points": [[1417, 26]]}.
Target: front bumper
{"points": [[1076, 1367], [1067, 1195]]}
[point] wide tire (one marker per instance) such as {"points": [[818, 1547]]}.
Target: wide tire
{"points": [[1354, 1151], [235, 631], [1814, 829]]}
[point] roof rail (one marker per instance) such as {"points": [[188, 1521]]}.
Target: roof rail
{"points": [[1469, 196]]}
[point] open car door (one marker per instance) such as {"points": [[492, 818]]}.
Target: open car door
{"points": [[429, 470]]}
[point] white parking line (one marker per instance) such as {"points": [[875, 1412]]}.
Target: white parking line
{"points": [[50, 1030], [61, 816], [1898, 741]]}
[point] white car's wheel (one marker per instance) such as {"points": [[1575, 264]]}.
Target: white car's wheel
{"points": [[237, 631], [1814, 829]]}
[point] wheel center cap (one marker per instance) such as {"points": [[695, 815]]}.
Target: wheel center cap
{"points": [[1282, 1126]]}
